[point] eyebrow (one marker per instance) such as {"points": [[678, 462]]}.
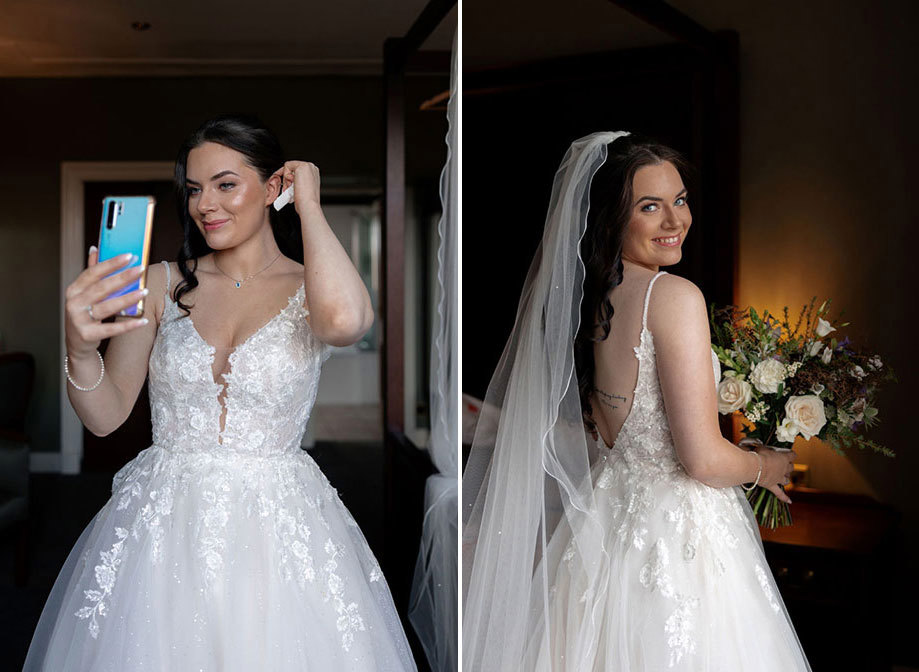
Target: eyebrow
{"points": [[217, 176], [657, 198]]}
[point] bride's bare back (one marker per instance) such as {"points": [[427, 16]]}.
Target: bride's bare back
{"points": [[616, 367]]}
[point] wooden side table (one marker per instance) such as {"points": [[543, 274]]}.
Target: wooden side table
{"points": [[833, 567]]}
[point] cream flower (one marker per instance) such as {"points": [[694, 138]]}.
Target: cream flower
{"points": [[786, 431], [733, 394], [824, 327], [827, 354], [815, 348], [767, 375], [807, 412]]}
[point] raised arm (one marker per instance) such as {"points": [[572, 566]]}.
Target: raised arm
{"points": [[678, 320], [340, 308]]}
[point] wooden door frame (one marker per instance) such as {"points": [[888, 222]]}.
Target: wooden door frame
{"points": [[74, 176], [401, 56]]}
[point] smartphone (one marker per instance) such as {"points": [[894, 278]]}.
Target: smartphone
{"points": [[127, 226]]}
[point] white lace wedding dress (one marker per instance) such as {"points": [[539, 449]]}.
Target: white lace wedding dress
{"points": [[224, 551], [687, 586]]}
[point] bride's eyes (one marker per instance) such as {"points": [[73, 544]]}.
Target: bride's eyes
{"points": [[193, 191], [685, 200]]}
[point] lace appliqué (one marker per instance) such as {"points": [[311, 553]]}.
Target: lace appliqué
{"points": [[349, 619], [767, 589], [105, 578], [680, 624], [257, 469], [375, 572], [639, 473], [211, 538]]}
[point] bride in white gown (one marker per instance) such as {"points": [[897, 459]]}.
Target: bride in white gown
{"points": [[223, 546], [598, 460]]}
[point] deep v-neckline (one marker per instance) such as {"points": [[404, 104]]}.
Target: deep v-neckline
{"points": [[212, 349]]}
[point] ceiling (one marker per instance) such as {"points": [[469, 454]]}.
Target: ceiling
{"points": [[505, 32], [91, 38]]}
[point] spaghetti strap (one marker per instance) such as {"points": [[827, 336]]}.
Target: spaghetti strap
{"points": [[166, 264], [644, 315], [166, 292]]}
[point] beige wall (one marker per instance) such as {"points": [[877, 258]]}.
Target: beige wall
{"points": [[829, 113]]}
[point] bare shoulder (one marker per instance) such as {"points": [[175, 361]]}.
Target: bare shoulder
{"points": [[675, 288], [675, 304]]}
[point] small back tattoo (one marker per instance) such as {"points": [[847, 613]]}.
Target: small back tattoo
{"points": [[608, 399]]}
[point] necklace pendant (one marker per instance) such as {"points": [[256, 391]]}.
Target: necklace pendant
{"points": [[237, 284]]}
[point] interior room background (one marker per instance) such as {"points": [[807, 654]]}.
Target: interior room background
{"points": [[98, 105], [801, 123]]}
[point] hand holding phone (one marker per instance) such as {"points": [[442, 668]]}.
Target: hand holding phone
{"points": [[84, 332], [127, 227]]}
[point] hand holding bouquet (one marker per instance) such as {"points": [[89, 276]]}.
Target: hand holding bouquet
{"points": [[790, 382]]}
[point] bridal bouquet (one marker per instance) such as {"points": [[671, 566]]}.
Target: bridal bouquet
{"points": [[789, 382]]}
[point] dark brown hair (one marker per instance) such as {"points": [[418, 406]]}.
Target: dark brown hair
{"points": [[262, 151], [610, 209]]}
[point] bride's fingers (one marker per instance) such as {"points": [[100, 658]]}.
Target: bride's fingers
{"points": [[779, 492]]}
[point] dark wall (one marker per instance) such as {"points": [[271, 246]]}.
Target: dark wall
{"points": [[518, 124]]}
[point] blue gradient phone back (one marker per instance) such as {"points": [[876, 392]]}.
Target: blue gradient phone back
{"points": [[126, 226]]}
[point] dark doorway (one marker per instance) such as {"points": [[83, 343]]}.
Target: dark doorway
{"points": [[109, 453]]}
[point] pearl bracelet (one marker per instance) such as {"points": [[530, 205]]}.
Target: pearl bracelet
{"points": [[85, 389], [758, 474]]}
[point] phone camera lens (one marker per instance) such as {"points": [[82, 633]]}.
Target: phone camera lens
{"points": [[110, 215]]}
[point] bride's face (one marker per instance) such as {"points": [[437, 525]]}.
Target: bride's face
{"points": [[660, 217], [222, 187]]}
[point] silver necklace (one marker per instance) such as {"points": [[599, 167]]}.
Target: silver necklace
{"points": [[240, 282]]}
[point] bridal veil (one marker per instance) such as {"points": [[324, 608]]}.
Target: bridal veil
{"points": [[527, 480]]}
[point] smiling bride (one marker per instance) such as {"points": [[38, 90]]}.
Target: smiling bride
{"points": [[223, 546]]}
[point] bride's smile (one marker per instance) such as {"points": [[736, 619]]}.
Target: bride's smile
{"points": [[226, 197], [660, 217]]}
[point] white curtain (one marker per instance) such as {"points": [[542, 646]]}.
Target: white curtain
{"points": [[433, 604]]}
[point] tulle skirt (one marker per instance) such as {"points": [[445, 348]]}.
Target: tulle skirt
{"points": [[681, 583], [215, 560]]}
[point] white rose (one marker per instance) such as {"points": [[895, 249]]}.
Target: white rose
{"points": [[786, 431], [827, 354], [733, 394], [807, 412], [824, 327], [815, 348], [767, 375]]}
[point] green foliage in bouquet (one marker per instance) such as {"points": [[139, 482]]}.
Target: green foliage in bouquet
{"points": [[793, 381]]}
